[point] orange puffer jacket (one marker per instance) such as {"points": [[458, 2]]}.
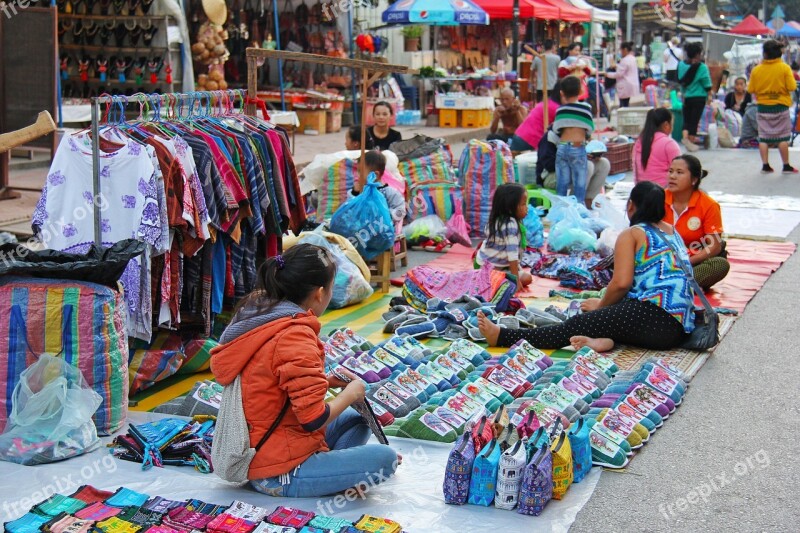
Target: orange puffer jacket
{"points": [[280, 359]]}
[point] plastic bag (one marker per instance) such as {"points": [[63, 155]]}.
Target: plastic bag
{"points": [[607, 241], [534, 228], [429, 227], [51, 417], [602, 209], [415, 147], [458, 229], [571, 234], [349, 285], [366, 221]]}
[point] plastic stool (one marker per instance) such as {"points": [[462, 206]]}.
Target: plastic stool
{"points": [[448, 118], [538, 198]]}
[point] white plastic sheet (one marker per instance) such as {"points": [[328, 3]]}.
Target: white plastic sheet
{"points": [[413, 497]]}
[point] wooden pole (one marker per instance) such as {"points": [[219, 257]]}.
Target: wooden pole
{"points": [[362, 165], [545, 106], [252, 84]]}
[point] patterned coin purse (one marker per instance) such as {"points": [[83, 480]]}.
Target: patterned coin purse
{"points": [[458, 472]]}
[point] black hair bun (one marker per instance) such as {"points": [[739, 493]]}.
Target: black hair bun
{"points": [[703, 174]]}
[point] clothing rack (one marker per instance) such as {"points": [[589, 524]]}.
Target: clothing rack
{"points": [[213, 99]]}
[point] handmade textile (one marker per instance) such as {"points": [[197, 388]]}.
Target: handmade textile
{"points": [[333, 193], [82, 322], [431, 185], [484, 475], [484, 165], [287, 516], [425, 282], [458, 471], [537, 483], [774, 124]]}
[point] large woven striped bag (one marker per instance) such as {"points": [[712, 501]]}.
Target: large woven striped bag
{"points": [[83, 323], [484, 165]]}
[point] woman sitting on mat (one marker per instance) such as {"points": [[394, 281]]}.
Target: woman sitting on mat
{"points": [[380, 133], [698, 219], [648, 303], [505, 234], [316, 447]]}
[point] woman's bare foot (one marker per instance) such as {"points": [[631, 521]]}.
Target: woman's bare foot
{"points": [[598, 345], [399, 459], [488, 329]]}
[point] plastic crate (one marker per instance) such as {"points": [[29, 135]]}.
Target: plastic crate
{"points": [[630, 120], [448, 118], [312, 120], [620, 155], [333, 121], [470, 118]]}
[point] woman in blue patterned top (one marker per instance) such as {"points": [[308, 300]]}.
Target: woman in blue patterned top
{"points": [[649, 301]]}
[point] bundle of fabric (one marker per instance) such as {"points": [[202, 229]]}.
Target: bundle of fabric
{"points": [[332, 193], [424, 282], [166, 355], [577, 271], [484, 165], [85, 323], [169, 441]]}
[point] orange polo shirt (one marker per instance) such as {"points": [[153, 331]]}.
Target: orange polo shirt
{"points": [[702, 217]]}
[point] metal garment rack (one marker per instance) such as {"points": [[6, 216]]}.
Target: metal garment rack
{"points": [[228, 97]]}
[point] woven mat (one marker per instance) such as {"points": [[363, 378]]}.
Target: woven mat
{"points": [[688, 361]]}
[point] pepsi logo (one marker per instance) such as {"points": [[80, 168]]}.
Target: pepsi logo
{"points": [[423, 14]]}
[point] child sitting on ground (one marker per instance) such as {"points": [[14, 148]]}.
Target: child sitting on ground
{"points": [[505, 234], [572, 127], [376, 164], [352, 139]]}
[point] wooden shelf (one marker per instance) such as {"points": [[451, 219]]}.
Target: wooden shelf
{"points": [[120, 49], [152, 18]]}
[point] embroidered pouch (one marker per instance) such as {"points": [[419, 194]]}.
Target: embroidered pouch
{"points": [[581, 450], [287, 516], [537, 483], [563, 473], [374, 524], [509, 476], [458, 471], [484, 475]]}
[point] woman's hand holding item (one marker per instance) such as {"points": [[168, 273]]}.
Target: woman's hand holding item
{"points": [[337, 383], [590, 304], [355, 391]]}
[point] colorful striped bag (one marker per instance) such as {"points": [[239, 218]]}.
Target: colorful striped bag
{"points": [[84, 323], [431, 185], [484, 165], [333, 191]]}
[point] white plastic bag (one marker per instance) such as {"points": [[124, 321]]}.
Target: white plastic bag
{"points": [[427, 227], [607, 241], [602, 208], [51, 415]]}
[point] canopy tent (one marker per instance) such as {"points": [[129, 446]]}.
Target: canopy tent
{"points": [[597, 14], [570, 13], [788, 30], [435, 13], [751, 26], [504, 9], [701, 19]]}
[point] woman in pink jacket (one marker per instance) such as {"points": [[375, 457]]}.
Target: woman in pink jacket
{"points": [[627, 75], [655, 148]]}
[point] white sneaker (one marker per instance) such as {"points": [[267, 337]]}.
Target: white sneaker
{"points": [[692, 147]]}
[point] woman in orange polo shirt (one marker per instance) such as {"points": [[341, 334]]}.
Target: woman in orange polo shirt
{"points": [[697, 218]]}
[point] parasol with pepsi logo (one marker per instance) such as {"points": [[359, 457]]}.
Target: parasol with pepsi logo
{"points": [[435, 13]]}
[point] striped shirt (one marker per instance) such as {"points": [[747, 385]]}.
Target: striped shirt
{"points": [[574, 115], [503, 248]]}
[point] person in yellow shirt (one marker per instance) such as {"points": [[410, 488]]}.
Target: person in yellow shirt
{"points": [[773, 83]]}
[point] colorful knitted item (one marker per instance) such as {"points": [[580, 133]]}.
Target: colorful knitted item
{"points": [[422, 425], [117, 525], [536, 489], [89, 494], [162, 529], [225, 523], [98, 511], [329, 523], [68, 524], [161, 505], [287, 516], [27, 523], [186, 519], [145, 517], [266, 527], [484, 475], [57, 504], [374, 524]]}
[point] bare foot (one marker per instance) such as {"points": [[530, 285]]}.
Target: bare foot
{"points": [[488, 329], [598, 345], [399, 459]]}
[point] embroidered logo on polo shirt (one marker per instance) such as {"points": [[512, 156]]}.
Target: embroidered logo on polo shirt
{"points": [[693, 223]]}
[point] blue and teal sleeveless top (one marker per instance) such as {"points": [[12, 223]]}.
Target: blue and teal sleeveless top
{"points": [[659, 278]]}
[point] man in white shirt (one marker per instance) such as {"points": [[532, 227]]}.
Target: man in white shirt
{"points": [[673, 55], [552, 59]]}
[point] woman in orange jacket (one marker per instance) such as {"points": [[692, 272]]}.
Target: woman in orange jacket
{"points": [[317, 447]]}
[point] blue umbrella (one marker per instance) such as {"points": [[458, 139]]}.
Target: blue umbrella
{"points": [[435, 13]]}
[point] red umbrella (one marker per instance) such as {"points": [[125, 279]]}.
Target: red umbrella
{"points": [[569, 12], [503, 9], [751, 26]]}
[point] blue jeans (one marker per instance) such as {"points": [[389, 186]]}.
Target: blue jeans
{"points": [[350, 462], [571, 171]]}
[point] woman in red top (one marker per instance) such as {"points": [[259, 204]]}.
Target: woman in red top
{"points": [[698, 219]]}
